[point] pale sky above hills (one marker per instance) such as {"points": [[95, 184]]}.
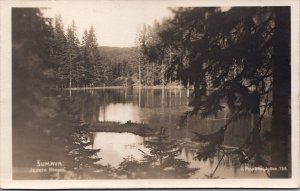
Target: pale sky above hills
{"points": [[116, 23]]}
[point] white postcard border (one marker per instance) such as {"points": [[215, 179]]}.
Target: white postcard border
{"points": [[6, 108]]}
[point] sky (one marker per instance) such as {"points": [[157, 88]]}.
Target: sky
{"points": [[116, 23]]}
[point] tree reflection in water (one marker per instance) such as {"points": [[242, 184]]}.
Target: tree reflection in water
{"points": [[254, 152], [60, 136], [161, 161], [79, 156]]}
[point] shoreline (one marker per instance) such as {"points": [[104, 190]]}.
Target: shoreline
{"points": [[126, 87]]}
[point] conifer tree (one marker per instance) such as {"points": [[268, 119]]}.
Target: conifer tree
{"points": [[85, 61], [163, 159], [242, 55], [93, 67], [94, 57], [73, 69], [160, 161], [58, 49]]}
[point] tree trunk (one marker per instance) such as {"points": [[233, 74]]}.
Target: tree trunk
{"points": [[281, 121], [162, 74], [140, 81]]}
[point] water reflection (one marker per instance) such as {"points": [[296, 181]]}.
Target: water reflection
{"points": [[120, 112], [159, 161], [157, 108], [170, 154], [162, 108], [58, 148], [117, 146], [137, 157]]}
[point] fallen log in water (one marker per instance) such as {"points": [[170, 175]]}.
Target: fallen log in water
{"points": [[129, 127]]}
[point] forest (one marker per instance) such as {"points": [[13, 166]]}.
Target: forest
{"points": [[239, 56], [85, 63]]}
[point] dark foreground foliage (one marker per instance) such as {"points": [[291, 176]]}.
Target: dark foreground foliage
{"points": [[240, 56]]}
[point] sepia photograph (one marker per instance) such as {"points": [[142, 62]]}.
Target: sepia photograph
{"points": [[151, 91]]}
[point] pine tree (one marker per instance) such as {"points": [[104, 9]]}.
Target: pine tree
{"points": [[241, 55], [77, 155], [93, 66], [156, 53], [59, 46], [32, 65], [85, 61], [161, 161], [45, 127], [94, 56], [73, 68]]}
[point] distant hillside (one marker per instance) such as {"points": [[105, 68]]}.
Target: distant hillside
{"points": [[122, 67], [119, 63], [117, 53]]}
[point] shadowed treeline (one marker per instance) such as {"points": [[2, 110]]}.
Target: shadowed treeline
{"points": [[46, 126], [241, 55], [237, 113]]}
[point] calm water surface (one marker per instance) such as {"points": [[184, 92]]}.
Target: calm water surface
{"points": [[159, 108]]}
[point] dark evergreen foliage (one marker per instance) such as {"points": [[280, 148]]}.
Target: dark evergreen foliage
{"points": [[239, 58], [46, 127], [160, 161]]}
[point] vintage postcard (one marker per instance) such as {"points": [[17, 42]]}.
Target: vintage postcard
{"points": [[149, 94]]}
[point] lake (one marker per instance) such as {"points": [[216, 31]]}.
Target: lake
{"points": [[171, 152], [160, 108]]}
